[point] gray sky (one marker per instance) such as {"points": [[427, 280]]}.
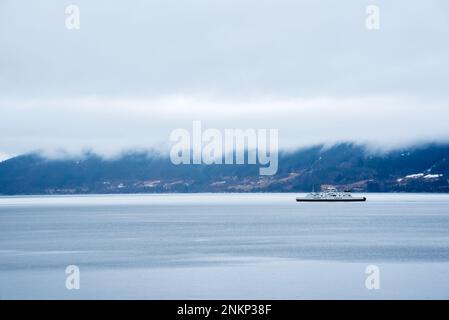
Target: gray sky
{"points": [[138, 69]]}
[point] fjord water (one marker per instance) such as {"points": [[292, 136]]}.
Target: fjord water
{"points": [[223, 246]]}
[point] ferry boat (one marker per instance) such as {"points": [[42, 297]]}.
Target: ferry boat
{"points": [[330, 195]]}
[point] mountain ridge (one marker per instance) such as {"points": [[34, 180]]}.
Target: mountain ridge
{"points": [[422, 168]]}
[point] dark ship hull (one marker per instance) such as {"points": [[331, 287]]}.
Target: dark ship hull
{"points": [[352, 199]]}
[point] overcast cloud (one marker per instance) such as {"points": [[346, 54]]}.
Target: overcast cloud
{"points": [[138, 69]]}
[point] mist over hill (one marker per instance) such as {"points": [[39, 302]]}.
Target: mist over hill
{"points": [[423, 168]]}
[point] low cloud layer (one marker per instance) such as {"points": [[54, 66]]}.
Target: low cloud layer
{"points": [[109, 126]]}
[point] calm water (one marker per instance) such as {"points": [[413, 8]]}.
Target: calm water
{"points": [[241, 246]]}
